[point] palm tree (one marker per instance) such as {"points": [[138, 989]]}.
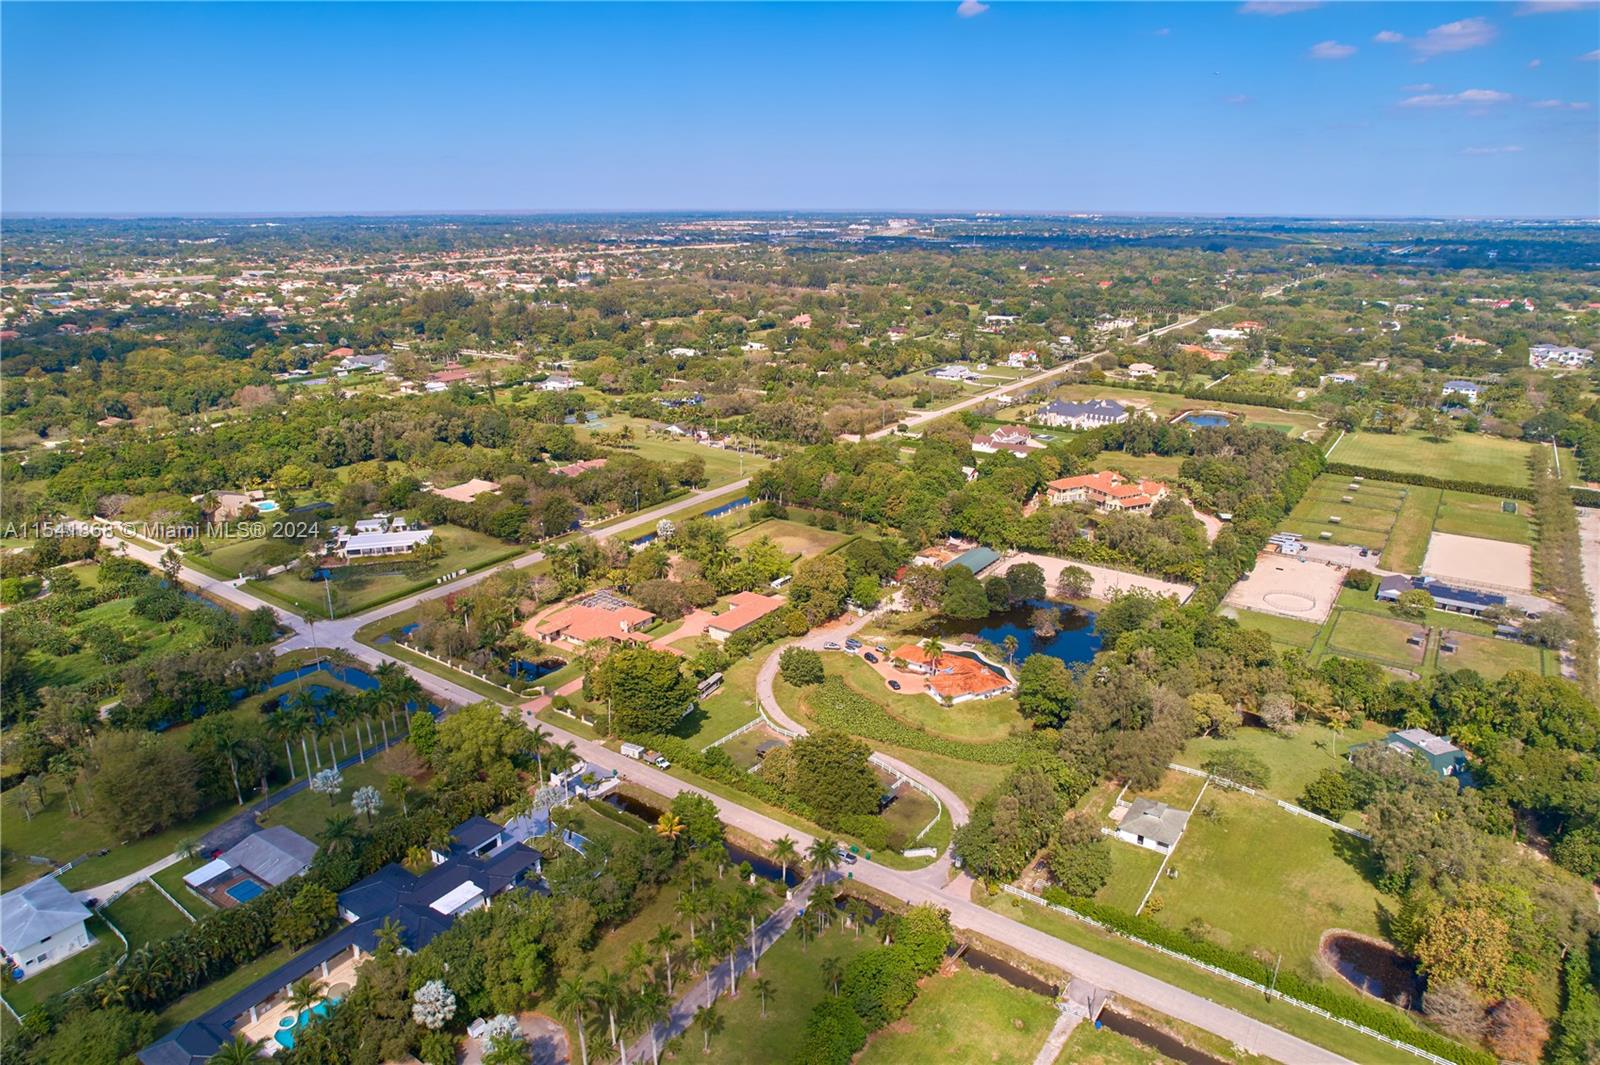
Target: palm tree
{"points": [[281, 726], [785, 852], [608, 991], [934, 650], [339, 833], [664, 940], [670, 827], [304, 993], [391, 936], [399, 788], [653, 1006], [823, 855], [540, 739], [572, 1002], [710, 1023], [691, 906], [1010, 645], [338, 707], [237, 1051], [832, 969], [763, 987]]}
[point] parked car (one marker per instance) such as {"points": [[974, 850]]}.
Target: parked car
{"points": [[854, 645], [830, 646], [881, 649], [870, 657], [894, 685]]}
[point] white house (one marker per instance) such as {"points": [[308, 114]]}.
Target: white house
{"points": [[953, 373], [1141, 369], [1467, 389], [557, 382], [41, 924], [1152, 825], [1067, 415], [377, 536], [1226, 334], [1541, 356]]}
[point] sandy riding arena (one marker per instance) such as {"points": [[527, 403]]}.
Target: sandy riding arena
{"points": [[1288, 587], [1107, 582], [1479, 563]]}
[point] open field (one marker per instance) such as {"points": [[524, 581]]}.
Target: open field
{"points": [[965, 1015], [1286, 632], [722, 466], [148, 639], [1468, 456], [1366, 512], [1166, 405], [358, 587], [1292, 761], [145, 917], [1260, 878], [1380, 639], [793, 537], [1132, 870], [1477, 562], [732, 705], [1466, 514], [1489, 656], [1408, 540]]}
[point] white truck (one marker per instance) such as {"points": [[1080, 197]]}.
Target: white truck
{"points": [[640, 753]]}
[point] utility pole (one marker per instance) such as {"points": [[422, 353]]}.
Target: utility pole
{"points": [[1274, 985]]}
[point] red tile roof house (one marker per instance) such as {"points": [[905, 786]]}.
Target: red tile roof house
{"points": [[744, 610], [451, 374], [956, 678], [596, 618], [1108, 490]]}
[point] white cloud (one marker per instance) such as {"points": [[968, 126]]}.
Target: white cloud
{"points": [[1274, 8], [1560, 105], [1535, 64], [1238, 99], [1455, 37], [1457, 99], [1425, 86], [1550, 7], [1164, 31], [1590, 57], [971, 8], [1499, 150], [1332, 50], [1388, 37]]}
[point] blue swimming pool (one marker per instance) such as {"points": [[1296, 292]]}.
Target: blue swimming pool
{"points": [[266, 506], [289, 1025], [245, 890]]}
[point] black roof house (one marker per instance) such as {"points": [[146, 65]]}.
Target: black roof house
{"points": [[422, 904]]}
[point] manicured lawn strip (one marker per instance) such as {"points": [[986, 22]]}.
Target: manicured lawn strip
{"points": [[307, 813], [794, 970], [64, 976], [965, 1016], [438, 669], [145, 917], [1490, 656], [1467, 456], [1132, 870], [171, 878], [1290, 631], [219, 991], [1408, 541], [1308, 1026], [1262, 879], [1089, 1045]]}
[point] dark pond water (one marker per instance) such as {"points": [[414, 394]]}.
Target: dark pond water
{"points": [[1205, 421], [1375, 969], [1156, 1039], [760, 864], [1075, 640], [520, 667]]}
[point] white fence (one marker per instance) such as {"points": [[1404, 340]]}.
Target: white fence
{"points": [[1298, 811], [461, 669], [756, 722], [1012, 889]]}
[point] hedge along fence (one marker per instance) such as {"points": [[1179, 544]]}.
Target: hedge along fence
{"points": [[1583, 497], [1366, 1017], [835, 705]]}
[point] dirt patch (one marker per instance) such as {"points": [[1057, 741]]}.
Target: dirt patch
{"points": [[1288, 587], [1478, 563]]}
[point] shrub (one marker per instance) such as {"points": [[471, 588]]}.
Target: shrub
{"points": [[800, 666], [1361, 580], [1329, 795], [1240, 766]]}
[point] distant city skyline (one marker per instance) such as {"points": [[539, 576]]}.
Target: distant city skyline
{"points": [[1267, 108]]}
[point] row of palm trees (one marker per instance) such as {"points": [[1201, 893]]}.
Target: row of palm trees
{"points": [[309, 719], [715, 923]]}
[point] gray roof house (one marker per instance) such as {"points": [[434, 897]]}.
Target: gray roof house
{"points": [[272, 855], [1152, 825], [1442, 756], [1069, 415], [41, 924]]}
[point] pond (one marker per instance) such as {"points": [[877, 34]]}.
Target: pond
{"points": [[526, 670], [1206, 419], [760, 864], [1074, 641], [1374, 967]]}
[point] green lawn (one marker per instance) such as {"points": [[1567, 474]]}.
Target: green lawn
{"points": [[1491, 657], [1089, 1045], [1380, 639], [64, 976], [794, 970], [1132, 870], [219, 991], [722, 466], [965, 1016], [171, 878], [909, 814], [358, 587], [1473, 515], [1365, 513], [1261, 879], [1408, 540], [147, 638], [1292, 761], [732, 705], [307, 813], [795, 538], [975, 721], [1468, 456], [145, 917], [1290, 632], [228, 557]]}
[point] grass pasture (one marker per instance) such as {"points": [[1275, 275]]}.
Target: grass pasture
{"points": [[1466, 514], [793, 537], [1292, 761], [964, 1015], [1132, 870], [145, 917], [1286, 632], [1490, 656], [1366, 513], [722, 466], [147, 638], [1468, 456], [1381, 639]]}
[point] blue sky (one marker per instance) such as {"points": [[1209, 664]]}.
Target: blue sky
{"points": [[1264, 108]]}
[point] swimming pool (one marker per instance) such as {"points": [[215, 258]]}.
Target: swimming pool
{"points": [[266, 506], [244, 891], [289, 1025]]}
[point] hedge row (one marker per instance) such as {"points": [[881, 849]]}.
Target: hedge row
{"points": [[836, 706], [1454, 484], [1349, 1007]]}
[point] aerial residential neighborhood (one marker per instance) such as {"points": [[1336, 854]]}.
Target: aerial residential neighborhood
{"points": [[1018, 534]]}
